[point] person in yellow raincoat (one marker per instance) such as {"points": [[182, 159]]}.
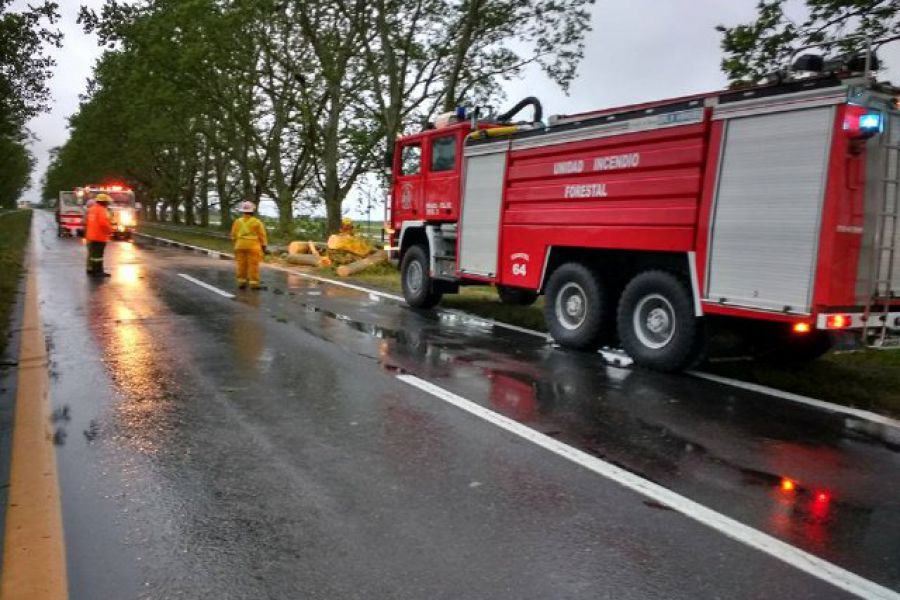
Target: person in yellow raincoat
{"points": [[249, 235]]}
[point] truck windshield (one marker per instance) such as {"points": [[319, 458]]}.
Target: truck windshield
{"points": [[69, 200], [119, 199]]}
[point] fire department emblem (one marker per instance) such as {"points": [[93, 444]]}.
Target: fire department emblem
{"points": [[406, 196]]}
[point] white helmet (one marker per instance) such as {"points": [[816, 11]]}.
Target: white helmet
{"points": [[247, 207]]}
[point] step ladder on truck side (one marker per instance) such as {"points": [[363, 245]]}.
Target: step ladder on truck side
{"points": [[882, 289]]}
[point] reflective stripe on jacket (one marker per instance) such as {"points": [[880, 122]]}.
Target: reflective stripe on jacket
{"points": [[248, 233], [98, 227]]}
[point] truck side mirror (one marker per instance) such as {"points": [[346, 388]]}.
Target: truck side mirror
{"points": [[388, 162]]}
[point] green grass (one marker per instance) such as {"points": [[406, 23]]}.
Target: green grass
{"points": [[483, 301], [869, 380], [14, 228], [188, 236]]}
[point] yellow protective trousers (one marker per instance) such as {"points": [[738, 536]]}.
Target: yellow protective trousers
{"points": [[248, 266]]}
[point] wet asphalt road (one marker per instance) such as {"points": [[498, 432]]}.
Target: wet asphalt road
{"points": [[262, 447]]}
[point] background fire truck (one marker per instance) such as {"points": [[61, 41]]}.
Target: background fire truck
{"points": [[774, 206], [123, 210], [69, 215]]}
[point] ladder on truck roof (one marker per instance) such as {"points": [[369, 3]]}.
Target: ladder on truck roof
{"points": [[881, 291]]}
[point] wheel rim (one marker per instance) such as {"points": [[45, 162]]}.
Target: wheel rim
{"points": [[415, 275], [571, 306], [654, 321]]}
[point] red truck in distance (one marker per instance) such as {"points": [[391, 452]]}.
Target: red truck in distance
{"points": [[643, 225]]}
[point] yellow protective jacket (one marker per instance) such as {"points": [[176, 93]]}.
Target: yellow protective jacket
{"points": [[248, 233]]}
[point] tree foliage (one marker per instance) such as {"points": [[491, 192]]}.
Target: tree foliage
{"points": [[24, 71], [16, 164], [204, 102], [764, 45]]}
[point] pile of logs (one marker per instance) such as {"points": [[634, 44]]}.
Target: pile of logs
{"points": [[349, 254]]}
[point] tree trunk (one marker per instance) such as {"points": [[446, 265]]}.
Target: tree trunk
{"points": [[462, 48], [221, 172], [188, 203], [204, 193], [285, 210]]}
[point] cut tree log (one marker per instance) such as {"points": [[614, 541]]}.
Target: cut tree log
{"points": [[362, 264], [303, 259], [298, 248]]}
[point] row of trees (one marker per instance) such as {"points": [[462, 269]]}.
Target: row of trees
{"points": [[24, 71], [201, 103], [764, 45]]}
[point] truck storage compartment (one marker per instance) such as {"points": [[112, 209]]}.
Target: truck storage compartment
{"points": [[483, 173], [768, 207]]}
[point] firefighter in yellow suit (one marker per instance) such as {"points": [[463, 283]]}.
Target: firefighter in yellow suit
{"points": [[249, 235]]}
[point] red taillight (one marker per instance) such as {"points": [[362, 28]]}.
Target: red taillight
{"points": [[802, 328], [837, 321]]}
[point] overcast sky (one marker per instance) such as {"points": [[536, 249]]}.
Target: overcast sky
{"points": [[638, 50]]}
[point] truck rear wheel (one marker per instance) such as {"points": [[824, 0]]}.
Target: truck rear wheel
{"points": [[418, 286], [516, 296], [656, 322], [576, 306]]}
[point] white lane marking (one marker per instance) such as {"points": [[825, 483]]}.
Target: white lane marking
{"points": [[203, 284], [373, 292], [835, 408], [731, 528], [351, 286], [493, 323], [760, 389], [397, 298]]}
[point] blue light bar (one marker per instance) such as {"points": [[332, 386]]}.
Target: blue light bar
{"points": [[870, 122], [460, 112]]}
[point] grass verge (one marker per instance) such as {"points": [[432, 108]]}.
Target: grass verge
{"points": [[14, 228], [867, 379], [188, 237]]}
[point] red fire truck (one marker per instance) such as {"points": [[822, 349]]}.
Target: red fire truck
{"points": [[643, 225], [123, 210]]}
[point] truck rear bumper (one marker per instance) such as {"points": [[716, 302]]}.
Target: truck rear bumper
{"points": [[857, 320]]}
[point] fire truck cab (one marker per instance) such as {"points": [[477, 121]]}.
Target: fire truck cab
{"points": [[642, 225], [123, 210]]}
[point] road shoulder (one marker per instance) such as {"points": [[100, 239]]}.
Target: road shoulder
{"points": [[34, 564]]}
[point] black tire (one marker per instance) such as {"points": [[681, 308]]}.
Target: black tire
{"points": [[576, 307], [516, 296], [418, 286], [657, 325]]}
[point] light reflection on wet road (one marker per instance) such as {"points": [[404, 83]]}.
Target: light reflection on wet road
{"points": [[261, 448]]}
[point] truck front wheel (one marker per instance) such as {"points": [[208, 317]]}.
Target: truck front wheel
{"points": [[418, 286], [575, 306], [656, 322]]}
